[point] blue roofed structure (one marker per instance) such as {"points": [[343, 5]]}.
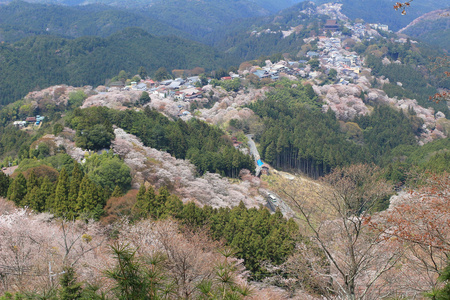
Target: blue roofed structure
{"points": [[259, 163]]}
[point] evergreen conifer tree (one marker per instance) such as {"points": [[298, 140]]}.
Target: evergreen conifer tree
{"points": [[32, 183], [17, 189], [92, 198], [4, 184], [47, 194], [152, 203], [117, 192], [173, 206], [90, 201], [140, 206], [61, 201], [34, 199], [75, 182], [70, 288]]}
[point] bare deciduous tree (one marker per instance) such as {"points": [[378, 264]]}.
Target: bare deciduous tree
{"points": [[420, 221], [337, 223], [192, 258]]}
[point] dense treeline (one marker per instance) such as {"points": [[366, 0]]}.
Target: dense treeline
{"points": [[434, 31], [299, 135], [255, 234], [248, 46], [70, 196], [432, 157], [248, 39], [13, 142], [75, 191], [384, 129], [41, 61], [207, 147]]}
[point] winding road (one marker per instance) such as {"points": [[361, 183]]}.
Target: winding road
{"points": [[254, 152]]}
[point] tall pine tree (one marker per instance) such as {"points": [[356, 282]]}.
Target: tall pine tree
{"points": [[75, 182], [47, 194], [17, 189], [32, 183], [61, 201], [4, 184], [139, 208]]}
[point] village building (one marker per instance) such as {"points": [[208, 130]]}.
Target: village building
{"points": [[31, 120], [331, 25]]}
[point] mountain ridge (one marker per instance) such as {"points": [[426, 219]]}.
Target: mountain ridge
{"points": [[432, 28]]}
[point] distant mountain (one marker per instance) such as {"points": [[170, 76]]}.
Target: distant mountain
{"points": [[42, 61], [280, 33], [270, 5], [433, 28], [20, 19], [382, 11], [198, 17]]}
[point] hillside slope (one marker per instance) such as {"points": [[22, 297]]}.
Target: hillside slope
{"points": [[20, 19], [433, 28], [194, 17], [45, 60], [271, 5]]}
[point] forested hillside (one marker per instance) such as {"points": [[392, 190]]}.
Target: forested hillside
{"points": [[250, 38], [299, 136], [205, 146], [288, 162], [195, 18], [420, 74], [38, 62], [20, 19], [272, 6], [432, 28]]}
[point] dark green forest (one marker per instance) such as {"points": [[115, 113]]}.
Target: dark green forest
{"points": [[248, 39], [432, 31], [256, 234], [21, 19], [42, 61], [298, 135]]}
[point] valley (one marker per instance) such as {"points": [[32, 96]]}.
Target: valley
{"points": [[273, 150]]}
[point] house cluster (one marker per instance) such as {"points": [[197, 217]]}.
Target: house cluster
{"points": [[377, 26], [36, 121], [361, 31], [177, 89], [273, 71], [334, 56]]}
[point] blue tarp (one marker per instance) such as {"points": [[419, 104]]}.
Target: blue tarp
{"points": [[259, 162]]}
